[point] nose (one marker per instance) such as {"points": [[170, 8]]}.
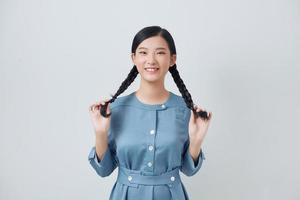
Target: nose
{"points": [[151, 59]]}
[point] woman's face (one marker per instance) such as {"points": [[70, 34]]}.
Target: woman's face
{"points": [[152, 59]]}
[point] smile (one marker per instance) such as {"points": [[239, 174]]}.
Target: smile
{"points": [[151, 69]]}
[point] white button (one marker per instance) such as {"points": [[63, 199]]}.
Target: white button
{"points": [[129, 178], [172, 178], [163, 106], [152, 132], [149, 164], [150, 148]]}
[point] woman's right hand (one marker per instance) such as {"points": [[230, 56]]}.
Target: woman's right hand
{"points": [[101, 124]]}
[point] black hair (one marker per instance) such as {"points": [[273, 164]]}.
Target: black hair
{"points": [[143, 34]]}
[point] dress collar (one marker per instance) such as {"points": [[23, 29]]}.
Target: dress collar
{"points": [[168, 103]]}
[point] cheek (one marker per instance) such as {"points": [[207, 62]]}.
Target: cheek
{"points": [[164, 62], [140, 67], [164, 65], [139, 64]]}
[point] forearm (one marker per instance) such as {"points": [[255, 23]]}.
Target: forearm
{"points": [[101, 144], [195, 148]]}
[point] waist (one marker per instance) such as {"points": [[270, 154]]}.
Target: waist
{"points": [[134, 178]]}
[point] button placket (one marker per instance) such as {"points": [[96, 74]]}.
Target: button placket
{"points": [[150, 147]]}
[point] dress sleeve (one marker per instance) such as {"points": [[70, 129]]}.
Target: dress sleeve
{"points": [[108, 163], [188, 166]]}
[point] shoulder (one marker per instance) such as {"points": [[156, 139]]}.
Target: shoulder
{"points": [[179, 101], [181, 107]]}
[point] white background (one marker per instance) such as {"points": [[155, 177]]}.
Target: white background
{"points": [[238, 59]]}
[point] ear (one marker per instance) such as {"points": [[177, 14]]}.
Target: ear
{"points": [[173, 59], [133, 57]]}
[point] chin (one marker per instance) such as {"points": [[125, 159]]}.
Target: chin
{"points": [[151, 80]]}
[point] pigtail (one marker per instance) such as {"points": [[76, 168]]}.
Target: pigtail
{"points": [[185, 93], [125, 84]]}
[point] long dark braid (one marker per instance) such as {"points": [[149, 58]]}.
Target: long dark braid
{"points": [[143, 34], [185, 93], [125, 84]]}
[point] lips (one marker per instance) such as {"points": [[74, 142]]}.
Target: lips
{"points": [[151, 69]]}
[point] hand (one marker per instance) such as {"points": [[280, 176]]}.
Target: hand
{"points": [[101, 124], [198, 127]]}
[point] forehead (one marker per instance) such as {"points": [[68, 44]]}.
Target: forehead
{"points": [[153, 43]]}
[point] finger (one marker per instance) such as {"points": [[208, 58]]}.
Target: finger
{"points": [[104, 100], [210, 115], [108, 108], [192, 117], [201, 108], [198, 108], [207, 115], [102, 103], [91, 108], [94, 107], [97, 104]]}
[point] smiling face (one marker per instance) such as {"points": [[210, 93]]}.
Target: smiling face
{"points": [[153, 59]]}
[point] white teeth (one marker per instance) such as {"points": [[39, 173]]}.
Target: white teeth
{"points": [[151, 69]]}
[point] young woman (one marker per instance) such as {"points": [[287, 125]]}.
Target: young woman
{"points": [[152, 133]]}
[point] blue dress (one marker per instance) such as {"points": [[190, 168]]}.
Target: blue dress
{"points": [[149, 146]]}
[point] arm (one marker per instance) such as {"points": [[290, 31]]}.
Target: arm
{"points": [[102, 156], [101, 144], [195, 149], [191, 159]]}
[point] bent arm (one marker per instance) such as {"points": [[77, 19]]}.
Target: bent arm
{"points": [[102, 156]]}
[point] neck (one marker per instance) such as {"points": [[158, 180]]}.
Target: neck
{"points": [[152, 92]]}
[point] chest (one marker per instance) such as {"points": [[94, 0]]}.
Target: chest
{"points": [[139, 130]]}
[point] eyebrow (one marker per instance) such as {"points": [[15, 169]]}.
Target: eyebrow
{"points": [[156, 48]]}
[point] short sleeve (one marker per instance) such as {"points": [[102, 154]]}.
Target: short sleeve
{"points": [[188, 166], [108, 163]]}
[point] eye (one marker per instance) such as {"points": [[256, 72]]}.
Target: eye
{"points": [[142, 52], [161, 52]]}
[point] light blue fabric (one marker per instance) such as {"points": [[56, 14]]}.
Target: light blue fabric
{"points": [[148, 140]]}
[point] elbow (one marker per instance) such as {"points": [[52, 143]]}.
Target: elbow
{"points": [[189, 172], [191, 169], [101, 170], [102, 173]]}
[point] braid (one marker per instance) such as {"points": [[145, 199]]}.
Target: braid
{"points": [[184, 92], [125, 84]]}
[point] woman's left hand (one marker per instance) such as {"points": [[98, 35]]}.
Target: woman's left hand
{"points": [[198, 127]]}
